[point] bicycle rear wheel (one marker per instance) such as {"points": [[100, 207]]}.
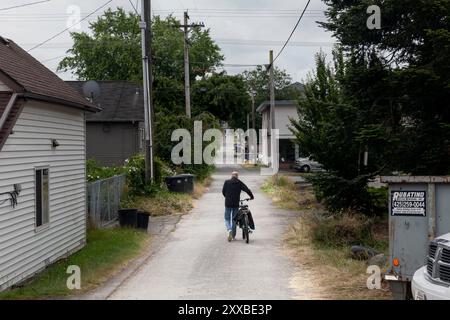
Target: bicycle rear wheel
{"points": [[246, 230]]}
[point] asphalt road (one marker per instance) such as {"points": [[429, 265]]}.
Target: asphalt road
{"points": [[197, 261]]}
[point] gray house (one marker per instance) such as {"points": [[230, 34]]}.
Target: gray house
{"points": [[285, 110], [116, 133]]}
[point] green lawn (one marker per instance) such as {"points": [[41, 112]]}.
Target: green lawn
{"points": [[106, 251]]}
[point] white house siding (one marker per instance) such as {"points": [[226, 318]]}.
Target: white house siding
{"points": [[282, 120], [283, 114], [23, 249]]}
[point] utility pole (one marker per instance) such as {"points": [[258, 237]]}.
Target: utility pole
{"points": [[146, 40], [254, 151], [187, 82], [272, 91], [274, 140], [253, 111], [187, 86]]}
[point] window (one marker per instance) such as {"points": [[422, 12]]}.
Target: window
{"points": [[42, 197]]}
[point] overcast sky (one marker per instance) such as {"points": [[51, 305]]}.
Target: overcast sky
{"points": [[245, 30]]}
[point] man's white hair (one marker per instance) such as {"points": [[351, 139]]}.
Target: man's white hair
{"points": [[235, 174]]}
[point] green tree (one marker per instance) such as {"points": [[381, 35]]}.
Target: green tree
{"points": [[163, 138], [335, 129], [413, 48], [257, 81], [387, 94], [113, 52], [224, 96]]}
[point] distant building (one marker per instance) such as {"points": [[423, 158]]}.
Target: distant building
{"points": [[284, 111], [42, 166], [117, 132]]}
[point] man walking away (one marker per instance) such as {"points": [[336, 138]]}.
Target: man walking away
{"points": [[232, 192]]}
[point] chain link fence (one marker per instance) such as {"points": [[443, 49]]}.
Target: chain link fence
{"points": [[103, 197]]}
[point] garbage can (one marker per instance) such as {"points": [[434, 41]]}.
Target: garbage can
{"points": [[183, 183], [142, 220], [128, 217]]}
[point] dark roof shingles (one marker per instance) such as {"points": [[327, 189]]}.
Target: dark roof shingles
{"points": [[34, 77], [119, 100]]}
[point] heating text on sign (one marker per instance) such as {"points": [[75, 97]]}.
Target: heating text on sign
{"points": [[408, 203]]}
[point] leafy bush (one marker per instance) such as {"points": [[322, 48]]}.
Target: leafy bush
{"points": [[340, 230], [96, 172], [380, 199], [167, 124], [339, 194], [135, 169]]}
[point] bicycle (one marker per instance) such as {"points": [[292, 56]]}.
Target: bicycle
{"points": [[243, 219]]}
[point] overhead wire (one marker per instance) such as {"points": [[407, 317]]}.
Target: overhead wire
{"points": [[23, 5], [70, 27], [292, 32]]}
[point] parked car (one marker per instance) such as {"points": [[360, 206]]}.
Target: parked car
{"points": [[307, 165], [432, 281]]}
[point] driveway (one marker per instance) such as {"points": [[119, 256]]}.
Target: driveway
{"points": [[197, 261]]}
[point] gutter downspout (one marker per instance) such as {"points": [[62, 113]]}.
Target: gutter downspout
{"points": [[7, 111]]}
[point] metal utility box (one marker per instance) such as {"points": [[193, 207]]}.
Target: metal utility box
{"points": [[181, 183], [419, 211]]}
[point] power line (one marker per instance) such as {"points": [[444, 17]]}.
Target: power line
{"points": [[288, 12], [54, 58], [23, 5], [293, 30], [201, 13], [196, 63], [220, 41], [135, 9], [68, 28]]}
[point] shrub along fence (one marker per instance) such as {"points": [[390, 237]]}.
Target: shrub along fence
{"points": [[103, 200]]}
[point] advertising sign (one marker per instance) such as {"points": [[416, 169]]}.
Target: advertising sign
{"points": [[408, 203]]}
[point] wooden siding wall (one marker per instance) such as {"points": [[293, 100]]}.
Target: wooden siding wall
{"points": [[23, 249], [110, 143]]}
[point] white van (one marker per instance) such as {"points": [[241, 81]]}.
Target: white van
{"points": [[432, 281]]}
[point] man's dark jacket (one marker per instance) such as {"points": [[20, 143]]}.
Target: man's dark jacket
{"points": [[232, 192]]}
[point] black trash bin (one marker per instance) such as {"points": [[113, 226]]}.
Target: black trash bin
{"points": [[142, 220], [128, 217], [183, 183]]}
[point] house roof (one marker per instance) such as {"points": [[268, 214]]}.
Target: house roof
{"points": [[121, 101], [26, 78], [278, 103], [34, 80]]}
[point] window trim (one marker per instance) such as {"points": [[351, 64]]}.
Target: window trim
{"points": [[46, 225]]}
